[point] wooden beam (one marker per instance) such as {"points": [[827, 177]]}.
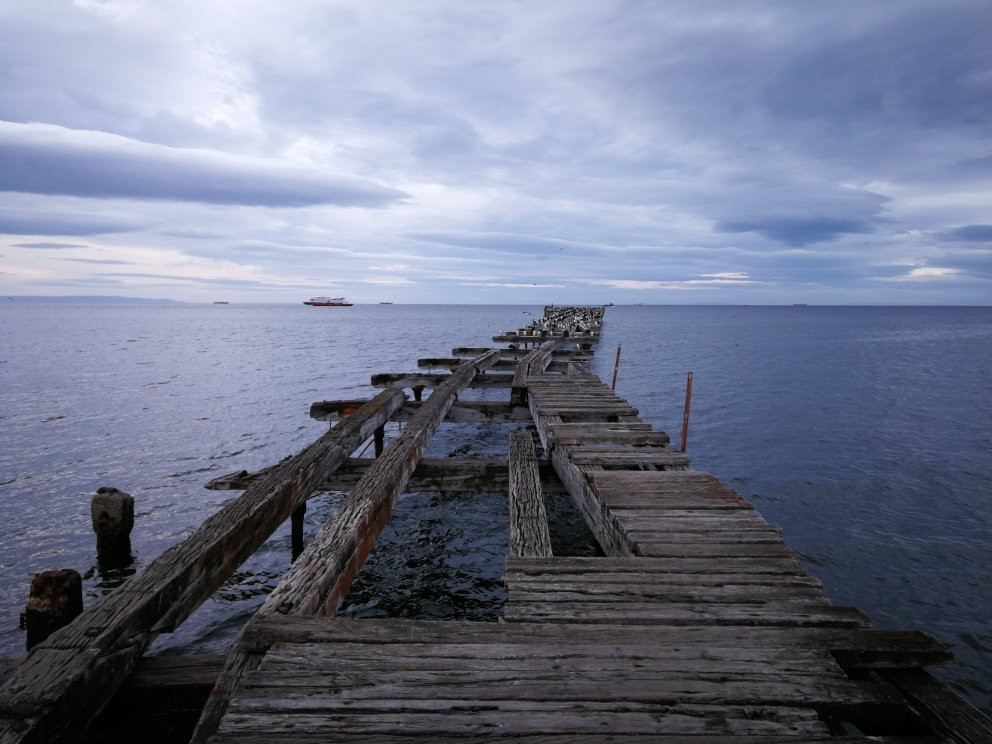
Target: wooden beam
{"points": [[939, 706], [461, 411], [529, 534], [68, 678], [322, 575], [565, 355], [413, 379], [440, 475], [502, 364]]}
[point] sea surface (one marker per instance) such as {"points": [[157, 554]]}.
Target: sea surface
{"points": [[864, 432]]}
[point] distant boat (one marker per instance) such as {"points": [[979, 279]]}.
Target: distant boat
{"points": [[328, 302], [221, 302], [386, 303]]}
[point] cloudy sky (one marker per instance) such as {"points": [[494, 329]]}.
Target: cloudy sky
{"points": [[657, 151]]}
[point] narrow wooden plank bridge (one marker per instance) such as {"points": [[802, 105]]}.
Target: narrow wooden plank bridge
{"points": [[697, 624]]}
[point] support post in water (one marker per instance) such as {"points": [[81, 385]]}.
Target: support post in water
{"points": [[296, 520], [418, 392], [112, 512], [55, 599], [685, 415], [616, 366], [380, 439]]}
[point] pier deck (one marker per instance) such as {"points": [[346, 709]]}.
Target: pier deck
{"points": [[698, 624]]}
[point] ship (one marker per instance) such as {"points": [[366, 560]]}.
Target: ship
{"points": [[328, 302]]}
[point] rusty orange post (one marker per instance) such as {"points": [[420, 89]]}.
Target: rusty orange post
{"points": [[616, 366], [685, 415]]}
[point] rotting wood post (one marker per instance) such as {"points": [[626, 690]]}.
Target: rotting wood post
{"points": [[112, 512], [380, 439], [418, 391], [685, 414], [54, 601], [296, 521], [616, 368]]}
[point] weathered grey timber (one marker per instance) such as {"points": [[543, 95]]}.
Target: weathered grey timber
{"points": [[440, 475], [413, 379], [54, 601], [529, 534], [463, 411], [699, 625], [67, 679], [322, 575]]}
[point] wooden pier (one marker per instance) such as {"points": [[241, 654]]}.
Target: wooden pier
{"points": [[697, 624]]}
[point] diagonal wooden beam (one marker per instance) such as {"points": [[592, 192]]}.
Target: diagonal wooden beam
{"points": [[67, 679]]}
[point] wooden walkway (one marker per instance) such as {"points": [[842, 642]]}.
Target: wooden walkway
{"points": [[697, 625]]}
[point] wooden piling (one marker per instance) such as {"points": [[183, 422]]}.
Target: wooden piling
{"points": [[112, 512], [685, 413], [55, 600], [297, 530]]}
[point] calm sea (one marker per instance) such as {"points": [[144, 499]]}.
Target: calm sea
{"points": [[863, 432]]}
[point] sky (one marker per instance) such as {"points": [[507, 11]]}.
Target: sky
{"points": [[655, 151]]}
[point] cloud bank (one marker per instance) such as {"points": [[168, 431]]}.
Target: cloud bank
{"points": [[633, 151]]}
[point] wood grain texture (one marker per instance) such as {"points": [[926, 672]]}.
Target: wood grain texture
{"points": [[69, 677], [529, 534]]}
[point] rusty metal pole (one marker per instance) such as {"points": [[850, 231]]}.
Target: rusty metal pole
{"points": [[685, 415], [616, 366]]}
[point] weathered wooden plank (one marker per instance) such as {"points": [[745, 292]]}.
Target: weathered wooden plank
{"points": [[320, 577], [852, 647], [620, 438], [770, 614], [529, 534], [500, 365], [341, 737], [470, 718], [563, 354], [323, 573], [426, 690], [69, 677], [413, 379], [443, 475], [648, 546], [462, 411], [536, 579], [789, 565], [939, 706], [578, 591]]}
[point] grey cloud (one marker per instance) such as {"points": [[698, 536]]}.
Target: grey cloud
{"points": [[970, 234], [498, 242], [46, 159], [798, 231], [99, 261], [190, 279], [36, 222], [49, 246]]}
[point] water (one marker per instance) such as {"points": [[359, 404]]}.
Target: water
{"points": [[862, 432]]}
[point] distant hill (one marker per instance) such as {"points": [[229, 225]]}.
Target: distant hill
{"points": [[93, 299]]}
